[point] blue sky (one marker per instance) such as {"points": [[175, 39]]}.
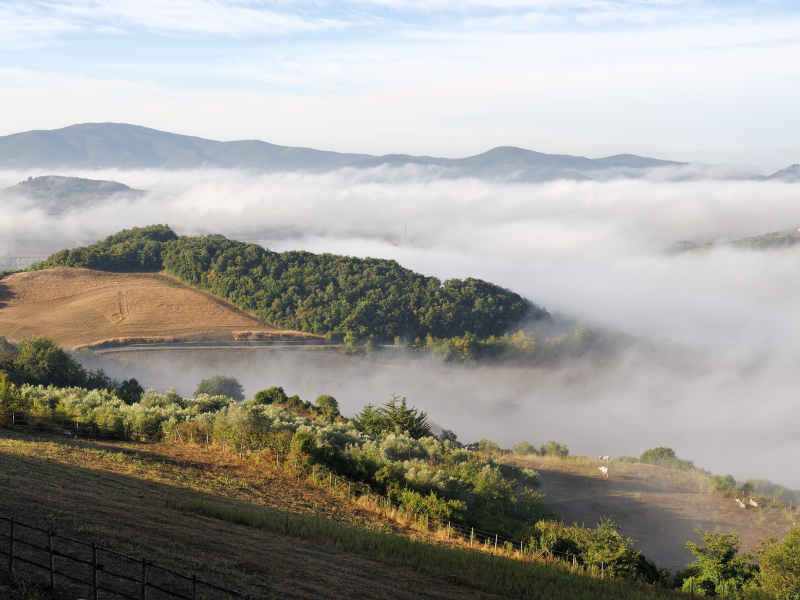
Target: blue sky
{"points": [[707, 81]]}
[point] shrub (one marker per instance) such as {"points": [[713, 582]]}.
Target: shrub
{"points": [[328, 404], [488, 446], [553, 448], [524, 448], [273, 395], [779, 565], [221, 385], [722, 483], [394, 416]]}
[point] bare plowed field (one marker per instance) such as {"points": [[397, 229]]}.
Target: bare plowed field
{"points": [[80, 306], [659, 508]]}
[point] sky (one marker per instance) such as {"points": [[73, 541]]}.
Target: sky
{"points": [[707, 81]]}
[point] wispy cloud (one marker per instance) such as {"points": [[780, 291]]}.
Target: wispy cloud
{"points": [[206, 17]]}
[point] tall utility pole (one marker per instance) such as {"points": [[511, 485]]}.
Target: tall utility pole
{"points": [[405, 235]]}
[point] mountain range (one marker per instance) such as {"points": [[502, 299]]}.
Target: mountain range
{"points": [[124, 146]]}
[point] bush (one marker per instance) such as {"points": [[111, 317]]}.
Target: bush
{"points": [[488, 446], [221, 385], [779, 566], [524, 448], [273, 395], [328, 404], [553, 448], [722, 483], [394, 416]]}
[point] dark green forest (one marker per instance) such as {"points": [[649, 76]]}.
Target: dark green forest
{"points": [[324, 294]]}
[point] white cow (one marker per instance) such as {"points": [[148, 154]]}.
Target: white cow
{"points": [[753, 502], [740, 503], [603, 470], [605, 458]]}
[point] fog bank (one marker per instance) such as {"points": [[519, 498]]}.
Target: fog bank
{"points": [[594, 250]]}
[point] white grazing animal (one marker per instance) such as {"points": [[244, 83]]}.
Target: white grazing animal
{"points": [[603, 470], [605, 458], [740, 503], [753, 503]]}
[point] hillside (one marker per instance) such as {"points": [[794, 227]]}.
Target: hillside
{"points": [[659, 508], [55, 194], [119, 145], [315, 293], [143, 510], [81, 306]]}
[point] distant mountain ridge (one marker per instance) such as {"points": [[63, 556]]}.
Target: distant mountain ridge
{"points": [[119, 145]]}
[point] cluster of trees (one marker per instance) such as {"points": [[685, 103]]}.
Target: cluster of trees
{"points": [[324, 405], [140, 248], [602, 548], [395, 417], [551, 448], [521, 346], [38, 360], [660, 456], [721, 570], [323, 294]]}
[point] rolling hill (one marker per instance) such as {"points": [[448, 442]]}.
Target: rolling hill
{"points": [[119, 145], [81, 306], [659, 508]]}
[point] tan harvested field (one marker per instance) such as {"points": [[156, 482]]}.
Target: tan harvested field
{"points": [[659, 508], [80, 306]]}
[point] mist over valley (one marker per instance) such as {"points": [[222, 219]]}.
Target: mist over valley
{"points": [[711, 371]]}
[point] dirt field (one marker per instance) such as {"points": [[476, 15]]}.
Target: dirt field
{"points": [[659, 508], [80, 306]]}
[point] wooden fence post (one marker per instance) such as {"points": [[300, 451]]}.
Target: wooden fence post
{"points": [[495, 542], [144, 578], [11, 548], [52, 559], [94, 569]]}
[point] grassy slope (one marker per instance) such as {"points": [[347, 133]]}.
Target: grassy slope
{"points": [[115, 305], [659, 508], [125, 497]]}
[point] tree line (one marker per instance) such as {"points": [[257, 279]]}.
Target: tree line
{"points": [[323, 294]]}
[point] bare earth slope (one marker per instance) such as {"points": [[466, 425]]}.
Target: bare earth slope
{"points": [[78, 306], [659, 508]]}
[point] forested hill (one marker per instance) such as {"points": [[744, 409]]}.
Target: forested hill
{"points": [[317, 293]]}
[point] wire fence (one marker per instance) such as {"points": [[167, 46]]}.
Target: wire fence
{"points": [[99, 569], [477, 539], [74, 428]]}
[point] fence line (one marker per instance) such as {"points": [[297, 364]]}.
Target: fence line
{"points": [[454, 531], [142, 583], [74, 428]]}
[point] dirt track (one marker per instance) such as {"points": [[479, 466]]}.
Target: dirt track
{"points": [[78, 306]]}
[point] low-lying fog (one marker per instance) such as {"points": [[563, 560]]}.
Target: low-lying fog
{"points": [[593, 250]]}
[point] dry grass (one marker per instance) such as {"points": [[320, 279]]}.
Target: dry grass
{"points": [[125, 341], [272, 336], [80, 306], [659, 508], [199, 509]]}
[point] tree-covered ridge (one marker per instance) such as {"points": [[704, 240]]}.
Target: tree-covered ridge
{"points": [[129, 250], [316, 293], [57, 186]]}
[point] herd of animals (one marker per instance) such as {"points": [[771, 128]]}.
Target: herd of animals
{"points": [[740, 504]]}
